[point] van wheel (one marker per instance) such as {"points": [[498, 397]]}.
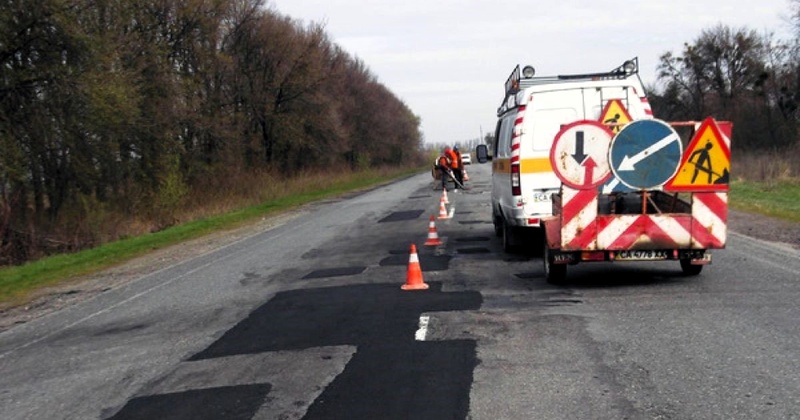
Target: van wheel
{"points": [[555, 274], [538, 241], [508, 238], [689, 269], [498, 225]]}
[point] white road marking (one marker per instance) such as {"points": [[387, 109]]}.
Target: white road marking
{"points": [[423, 328]]}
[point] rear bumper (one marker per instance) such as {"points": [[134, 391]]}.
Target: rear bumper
{"points": [[694, 256]]}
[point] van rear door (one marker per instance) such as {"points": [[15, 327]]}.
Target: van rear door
{"points": [[546, 113]]}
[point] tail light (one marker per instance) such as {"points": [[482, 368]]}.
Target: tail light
{"points": [[515, 187]]}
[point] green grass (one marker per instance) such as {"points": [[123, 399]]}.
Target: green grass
{"points": [[777, 199], [17, 284]]}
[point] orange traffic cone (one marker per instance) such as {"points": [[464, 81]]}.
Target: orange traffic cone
{"points": [[433, 237], [414, 275], [444, 196], [442, 210]]}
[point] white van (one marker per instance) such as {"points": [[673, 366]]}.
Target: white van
{"points": [[533, 111]]}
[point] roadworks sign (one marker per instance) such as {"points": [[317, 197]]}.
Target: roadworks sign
{"points": [[615, 115], [706, 163]]}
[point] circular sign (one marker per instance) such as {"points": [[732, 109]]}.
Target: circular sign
{"points": [[645, 154], [579, 155]]}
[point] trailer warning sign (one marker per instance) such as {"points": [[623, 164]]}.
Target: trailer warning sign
{"points": [[705, 165], [645, 154], [579, 155], [615, 115]]}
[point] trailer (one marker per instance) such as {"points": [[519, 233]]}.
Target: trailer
{"points": [[638, 192]]}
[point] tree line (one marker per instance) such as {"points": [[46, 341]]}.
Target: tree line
{"points": [[735, 74], [130, 106], [739, 75], [137, 103]]}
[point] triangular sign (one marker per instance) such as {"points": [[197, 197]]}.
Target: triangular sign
{"points": [[706, 163], [615, 115]]}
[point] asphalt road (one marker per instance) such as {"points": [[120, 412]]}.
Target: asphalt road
{"points": [[308, 320]]}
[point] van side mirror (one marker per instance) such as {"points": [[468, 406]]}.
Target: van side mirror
{"points": [[482, 153]]}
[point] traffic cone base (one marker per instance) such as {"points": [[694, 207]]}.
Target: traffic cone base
{"points": [[443, 210], [414, 273], [433, 236]]}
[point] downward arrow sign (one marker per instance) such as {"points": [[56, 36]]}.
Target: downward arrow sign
{"points": [[579, 156]]}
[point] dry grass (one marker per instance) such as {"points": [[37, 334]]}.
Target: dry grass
{"points": [[244, 199], [90, 222], [239, 189], [766, 167]]}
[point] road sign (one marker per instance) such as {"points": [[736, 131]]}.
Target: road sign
{"points": [[579, 155], [615, 115], [645, 154], [614, 186], [706, 163]]}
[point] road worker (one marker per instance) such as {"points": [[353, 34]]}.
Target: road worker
{"points": [[443, 164], [458, 166]]}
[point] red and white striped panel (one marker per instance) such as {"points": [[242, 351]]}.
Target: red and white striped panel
{"points": [[583, 229], [647, 109], [643, 231], [578, 216], [515, 136], [645, 103], [710, 220]]}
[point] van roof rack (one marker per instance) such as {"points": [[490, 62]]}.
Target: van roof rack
{"points": [[516, 82]]}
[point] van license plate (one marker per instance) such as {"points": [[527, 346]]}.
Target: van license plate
{"points": [[641, 255]]}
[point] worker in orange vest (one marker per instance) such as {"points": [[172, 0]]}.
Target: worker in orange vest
{"points": [[444, 163], [457, 166]]}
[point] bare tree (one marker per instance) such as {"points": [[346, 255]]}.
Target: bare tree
{"points": [[733, 74]]}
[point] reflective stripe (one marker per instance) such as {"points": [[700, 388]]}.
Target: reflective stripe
{"points": [[536, 165], [527, 166]]}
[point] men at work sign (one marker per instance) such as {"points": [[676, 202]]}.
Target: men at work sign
{"points": [[706, 162]]}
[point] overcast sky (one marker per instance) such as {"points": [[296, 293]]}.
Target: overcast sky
{"points": [[448, 60]]}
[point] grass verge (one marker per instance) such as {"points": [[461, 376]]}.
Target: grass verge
{"points": [[779, 199], [17, 284]]}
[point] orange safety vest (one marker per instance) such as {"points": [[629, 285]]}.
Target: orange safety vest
{"points": [[453, 155]]}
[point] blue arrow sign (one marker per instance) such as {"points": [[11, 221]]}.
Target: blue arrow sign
{"points": [[613, 185], [645, 154]]}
